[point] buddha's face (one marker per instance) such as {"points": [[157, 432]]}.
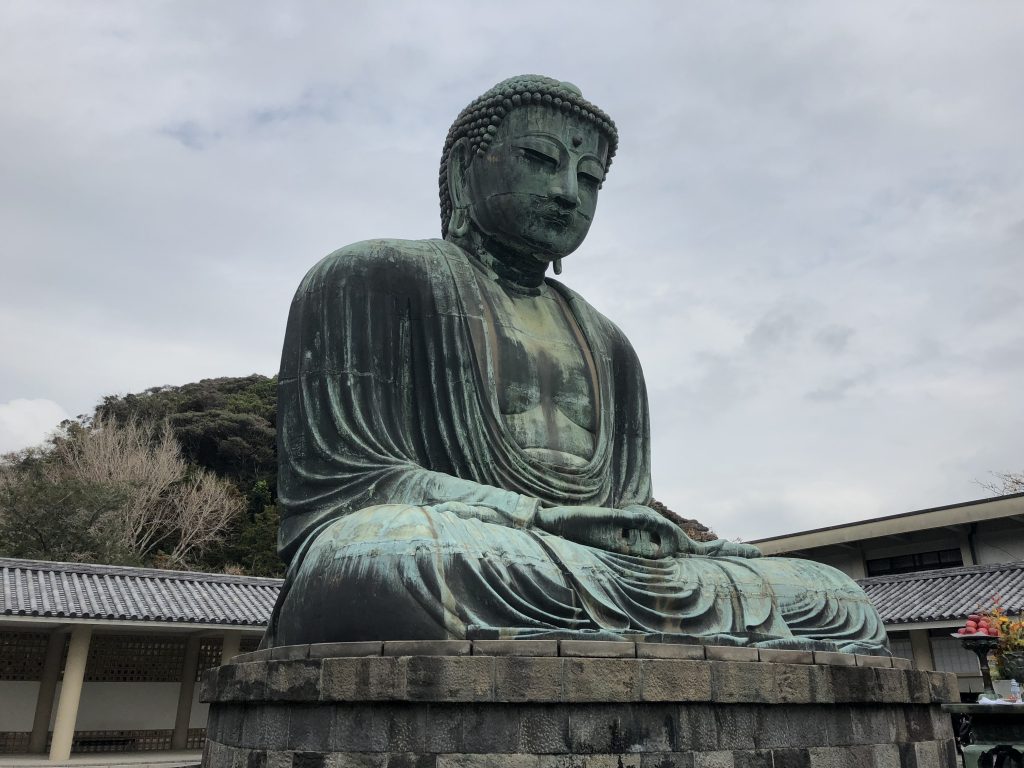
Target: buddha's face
{"points": [[534, 191]]}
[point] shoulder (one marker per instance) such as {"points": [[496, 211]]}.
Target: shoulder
{"points": [[375, 262], [609, 331]]}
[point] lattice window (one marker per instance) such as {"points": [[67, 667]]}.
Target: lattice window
{"points": [[22, 655], [135, 659], [14, 742], [950, 656], [901, 647], [210, 651]]}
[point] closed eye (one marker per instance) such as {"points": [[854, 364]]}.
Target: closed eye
{"points": [[540, 157]]}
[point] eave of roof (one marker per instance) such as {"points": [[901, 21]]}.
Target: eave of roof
{"points": [[922, 519], [34, 588], [947, 594]]}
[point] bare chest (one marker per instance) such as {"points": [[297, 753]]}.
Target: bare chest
{"points": [[543, 374]]}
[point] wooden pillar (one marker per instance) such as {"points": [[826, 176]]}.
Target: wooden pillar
{"points": [[47, 691], [70, 693], [232, 642], [188, 685], [921, 646]]}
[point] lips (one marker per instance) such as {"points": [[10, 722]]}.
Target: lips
{"points": [[557, 218]]}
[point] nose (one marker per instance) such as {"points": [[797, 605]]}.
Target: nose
{"points": [[565, 188]]}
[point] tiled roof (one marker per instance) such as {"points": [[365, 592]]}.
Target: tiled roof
{"points": [[947, 594], [115, 593]]}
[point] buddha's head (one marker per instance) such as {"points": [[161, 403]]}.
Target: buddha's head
{"points": [[522, 166]]}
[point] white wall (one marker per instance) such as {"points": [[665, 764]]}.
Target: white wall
{"points": [[18, 704], [104, 706]]}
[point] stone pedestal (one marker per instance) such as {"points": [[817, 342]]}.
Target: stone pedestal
{"points": [[572, 704]]}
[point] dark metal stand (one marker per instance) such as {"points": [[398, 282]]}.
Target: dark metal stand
{"points": [[981, 645]]}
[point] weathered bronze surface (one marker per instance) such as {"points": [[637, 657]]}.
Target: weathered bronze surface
{"points": [[464, 442]]}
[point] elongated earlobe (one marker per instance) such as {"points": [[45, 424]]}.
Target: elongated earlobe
{"points": [[557, 266]]}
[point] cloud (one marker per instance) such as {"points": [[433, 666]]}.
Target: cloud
{"points": [[811, 232], [24, 423]]}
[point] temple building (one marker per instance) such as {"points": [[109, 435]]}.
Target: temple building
{"points": [[103, 658], [926, 572]]}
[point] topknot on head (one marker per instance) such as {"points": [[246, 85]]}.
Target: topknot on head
{"points": [[479, 121]]}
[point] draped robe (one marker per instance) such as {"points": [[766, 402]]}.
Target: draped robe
{"points": [[407, 506]]}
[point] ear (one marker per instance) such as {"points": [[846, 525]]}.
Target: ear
{"points": [[458, 171]]}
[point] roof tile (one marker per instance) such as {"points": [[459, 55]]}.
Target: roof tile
{"points": [[117, 593]]}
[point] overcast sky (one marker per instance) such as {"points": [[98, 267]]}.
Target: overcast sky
{"points": [[813, 232]]}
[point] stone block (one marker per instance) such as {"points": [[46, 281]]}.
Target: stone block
{"points": [[515, 647], [793, 683], [308, 760], [785, 656], [445, 679], [543, 730], [371, 678], [238, 682], [309, 728], [522, 679], [898, 662], [696, 728], [444, 731], [783, 726], [427, 648], [590, 679], [613, 729], [735, 682], [836, 659], [669, 651], [597, 649], [297, 680], [248, 658], [873, 661], [674, 680], [666, 760], [854, 684], [754, 759], [820, 678], [487, 761], [888, 756], [713, 760], [289, 652], [791, 758], [829, 757], [491, 729], [945, 689], [358, 728], [412, 761], [927, 755], [279, 759], [736, 727], [919, 686], [730, 653], [340, 650], [892, 686], [356, 760]]}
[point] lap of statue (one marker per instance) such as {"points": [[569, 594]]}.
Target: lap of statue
{"points": [[431, 573]]}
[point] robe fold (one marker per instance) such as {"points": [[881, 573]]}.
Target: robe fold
{"points": [[407, 505]]}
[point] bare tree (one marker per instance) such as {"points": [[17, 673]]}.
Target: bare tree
{"points": [[167, 509], [1004, 483]]}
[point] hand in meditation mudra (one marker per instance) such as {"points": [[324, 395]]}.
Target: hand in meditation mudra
{"points": [[464, 443]]}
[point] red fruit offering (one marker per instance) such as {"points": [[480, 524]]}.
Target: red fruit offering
{"points": [[962, 631], [975, 617], [971, 625]]}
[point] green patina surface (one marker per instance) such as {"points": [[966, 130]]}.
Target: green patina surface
{"points": [[464, 442]]}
